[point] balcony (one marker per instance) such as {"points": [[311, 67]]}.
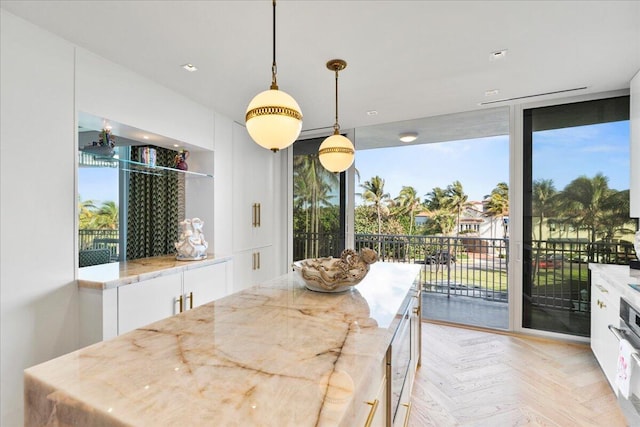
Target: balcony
{"points": [[465, 279]]}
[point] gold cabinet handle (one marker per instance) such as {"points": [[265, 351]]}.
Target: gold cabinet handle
{"points": [[253, 260], [406, 416], [372, 412], [180, 302], [258, 260], [259, 216], [254, 215], [190, 298]]}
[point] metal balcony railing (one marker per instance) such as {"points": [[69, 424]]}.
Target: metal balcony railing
{"points": [[478, 267], [100, 239]]}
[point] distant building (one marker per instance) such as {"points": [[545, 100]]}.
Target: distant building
{"points": [[475, 222]]}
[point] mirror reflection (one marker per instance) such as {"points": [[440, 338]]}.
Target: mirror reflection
{"points": [[131, 192]]}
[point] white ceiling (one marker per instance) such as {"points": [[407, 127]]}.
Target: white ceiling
{"points": [[406, 59]]}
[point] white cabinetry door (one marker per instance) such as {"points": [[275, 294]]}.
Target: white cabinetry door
{"points": [[252, 267], [205, 284], [605, 308], [253, 190], [146, 302]]}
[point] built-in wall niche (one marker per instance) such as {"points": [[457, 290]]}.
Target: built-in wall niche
{"points": [[128, 207]]}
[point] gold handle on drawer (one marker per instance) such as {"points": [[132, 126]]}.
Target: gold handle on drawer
{"points": [[406, 416], [259, 215], [258, 254], [190, 298], [253, 265], [180, 302], [372, 412]]}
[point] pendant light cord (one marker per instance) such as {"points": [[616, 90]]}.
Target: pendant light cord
{"points": [[336, 126], [274, 67]]}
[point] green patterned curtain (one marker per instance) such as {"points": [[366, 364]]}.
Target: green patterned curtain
{"points": [[154, 208]]}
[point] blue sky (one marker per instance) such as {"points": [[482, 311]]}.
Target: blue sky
{"points": [[480, 164], [98, 184], [565, 154]]}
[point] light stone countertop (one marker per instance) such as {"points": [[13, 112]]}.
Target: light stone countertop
{"points": [[275, 354], [620, 277], [114, 274]]}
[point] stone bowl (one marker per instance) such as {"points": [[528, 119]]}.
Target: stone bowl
{"points": [[335, 274]]}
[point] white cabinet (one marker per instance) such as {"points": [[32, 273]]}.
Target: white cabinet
{"points": [[253, 192], [635, 146], [253, 207], [252, 267], [205, 284], [605, 311], [371, 410], [146, 302], [107, 313]]}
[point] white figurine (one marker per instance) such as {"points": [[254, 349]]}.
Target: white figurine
{"points": [[191, 246]]}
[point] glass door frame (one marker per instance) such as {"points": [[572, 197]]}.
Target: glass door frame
{"points": [[347, 185], [516, 217]]}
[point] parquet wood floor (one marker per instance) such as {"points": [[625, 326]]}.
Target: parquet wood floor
{"points": [[477, 378]]}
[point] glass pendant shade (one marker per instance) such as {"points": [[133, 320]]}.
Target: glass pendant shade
{"points": [[273, 119], [336, 153]]}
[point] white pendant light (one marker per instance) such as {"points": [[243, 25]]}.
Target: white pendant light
{"points": [[336, 153], [273, 117]]}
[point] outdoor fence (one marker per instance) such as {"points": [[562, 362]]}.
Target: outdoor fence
{"points": [[100, 239], [478, 267]]}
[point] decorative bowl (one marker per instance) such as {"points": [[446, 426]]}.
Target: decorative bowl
{"points": [[335, 274]]}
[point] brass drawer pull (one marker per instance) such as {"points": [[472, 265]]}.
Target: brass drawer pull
{"points": [[190, 298], [372, 412], [406, 416], [180, 302]]}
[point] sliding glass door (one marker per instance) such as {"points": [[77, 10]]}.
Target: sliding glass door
{"points": [[576, 208]]}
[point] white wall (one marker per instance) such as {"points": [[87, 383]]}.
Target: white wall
{"points": [[38, 294], [44, 82], [107, 90]]}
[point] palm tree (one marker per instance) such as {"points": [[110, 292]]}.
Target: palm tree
{"points": [[312, 187], [106, 216], [585, 199], [86, 212], [544, 193], [456, 200], [374, 194], [498, 204], [408, 202], [436, 199]]}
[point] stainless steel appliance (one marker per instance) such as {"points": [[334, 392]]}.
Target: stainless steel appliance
{"points": [[398, 362], [630, 330]]}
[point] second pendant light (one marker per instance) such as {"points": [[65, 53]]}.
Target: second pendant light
{"points": [[336, 153]]}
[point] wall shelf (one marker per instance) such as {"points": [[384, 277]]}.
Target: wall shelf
{"points": [[139, 167]]}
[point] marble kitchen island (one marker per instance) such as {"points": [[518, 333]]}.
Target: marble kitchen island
{"points": [[273, 355]]}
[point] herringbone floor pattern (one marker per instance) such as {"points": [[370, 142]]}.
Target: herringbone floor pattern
{"points": [[478, 378]]}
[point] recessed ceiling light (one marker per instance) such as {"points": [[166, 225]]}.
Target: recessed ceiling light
{"points": [[498, 54], [372, 113], [189, 67], [176, 145], [408, 136], [145, 137], [491, 92]]}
